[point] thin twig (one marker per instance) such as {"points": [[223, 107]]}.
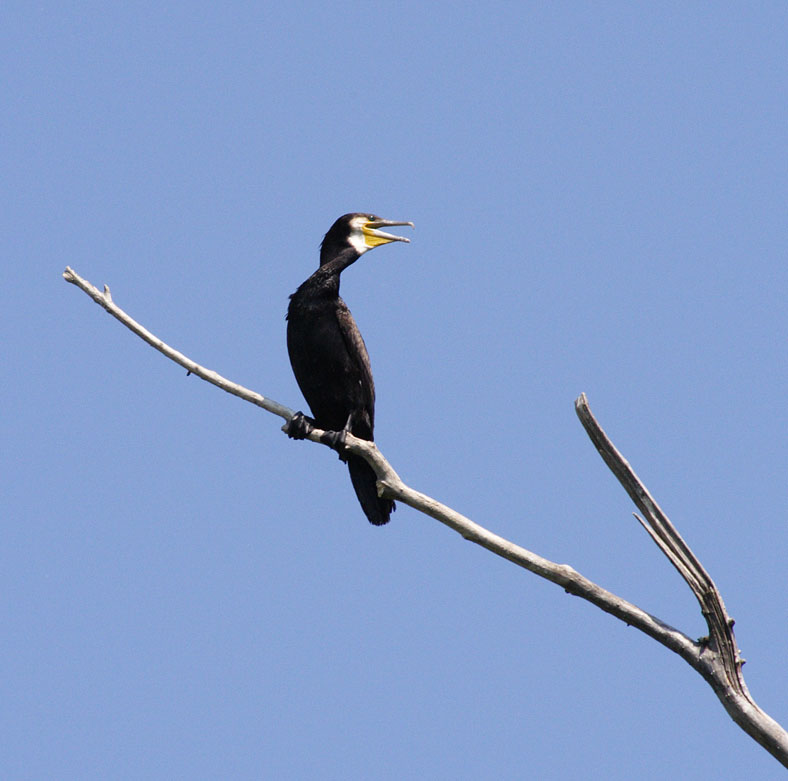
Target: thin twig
{"points": [[105, 300]]}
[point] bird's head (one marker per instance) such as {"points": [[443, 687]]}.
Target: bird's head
{"points": [[359, 231]]}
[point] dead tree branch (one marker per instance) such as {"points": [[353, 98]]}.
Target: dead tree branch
{"points": [[719, 662], [715, 657]]}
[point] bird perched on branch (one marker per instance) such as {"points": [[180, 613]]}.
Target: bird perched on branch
{"points": [[328, 355]]}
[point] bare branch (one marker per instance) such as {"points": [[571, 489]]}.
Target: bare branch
{"points": [[105, 300], [721, 661], [716, 658]]}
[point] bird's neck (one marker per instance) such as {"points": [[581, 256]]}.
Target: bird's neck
{"points": [[326, 278], [339, 261], [325, 281]]}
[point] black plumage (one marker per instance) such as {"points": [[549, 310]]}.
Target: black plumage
{"points": [[328, 354]]}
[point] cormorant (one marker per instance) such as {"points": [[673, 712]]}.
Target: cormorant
{"points": [[328, 355]]}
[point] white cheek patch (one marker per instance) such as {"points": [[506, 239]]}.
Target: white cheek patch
{"points": [[358, 241]]}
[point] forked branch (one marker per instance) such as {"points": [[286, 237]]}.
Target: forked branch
{"points": [[716, 657], [719, 662]]}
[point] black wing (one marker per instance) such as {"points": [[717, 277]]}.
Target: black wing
{"points": [[359, 375]]}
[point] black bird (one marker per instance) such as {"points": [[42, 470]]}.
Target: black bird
{"points": [[328, 355]]}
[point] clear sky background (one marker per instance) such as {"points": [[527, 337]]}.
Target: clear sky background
{"points": [[599, 193]]}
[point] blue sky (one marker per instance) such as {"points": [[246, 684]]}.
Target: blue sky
{"points": [[599, 196]]}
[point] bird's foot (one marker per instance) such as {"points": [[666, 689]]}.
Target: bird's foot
{"points": [[336, 440], [299, 426]]}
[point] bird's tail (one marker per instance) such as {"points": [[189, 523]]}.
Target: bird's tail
{"points": [[363, 476]]}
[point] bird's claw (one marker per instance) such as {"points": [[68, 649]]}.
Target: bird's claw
{"points": [[299, 426], [337, 441]]}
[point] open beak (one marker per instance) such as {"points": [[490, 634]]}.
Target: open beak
{"points": [[375, 238]]}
